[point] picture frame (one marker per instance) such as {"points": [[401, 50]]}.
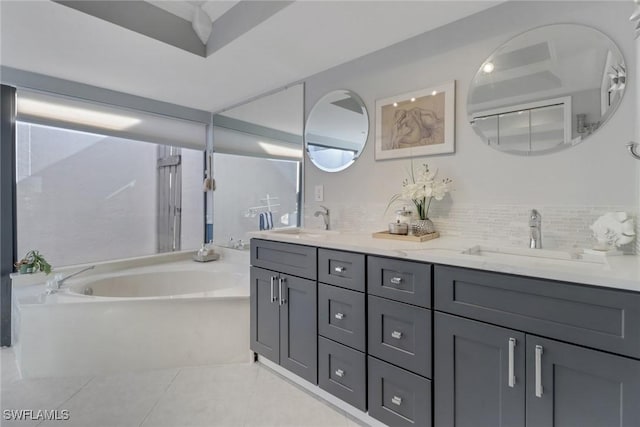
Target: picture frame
{"points": [[418, 123]]}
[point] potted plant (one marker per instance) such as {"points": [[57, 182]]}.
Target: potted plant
{"points": [[421, 188], [33, 262]]}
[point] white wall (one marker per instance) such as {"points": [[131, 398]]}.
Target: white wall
{"points": [[598, 172]]}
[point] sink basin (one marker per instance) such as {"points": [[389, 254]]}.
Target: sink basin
{"points": [[306, 233], [530, 254]]}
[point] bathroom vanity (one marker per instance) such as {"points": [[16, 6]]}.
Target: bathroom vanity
{"points": [[423, 334]]}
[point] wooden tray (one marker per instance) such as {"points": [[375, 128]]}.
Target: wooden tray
{"points": [[406, 238]]}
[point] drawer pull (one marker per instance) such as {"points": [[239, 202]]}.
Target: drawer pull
{"points": [[539, 388], [396, 280], [396, 334], [340, 373], [339, 269], [283, 300], [512, 377], [339, 316], [396, 400]]}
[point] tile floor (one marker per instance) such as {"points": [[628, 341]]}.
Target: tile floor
{"points": [[231, 395]]}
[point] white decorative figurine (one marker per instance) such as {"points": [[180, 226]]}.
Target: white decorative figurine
{"points": [[613, 229]]}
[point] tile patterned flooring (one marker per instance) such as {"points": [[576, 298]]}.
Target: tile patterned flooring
{"points": [[229, 395]]}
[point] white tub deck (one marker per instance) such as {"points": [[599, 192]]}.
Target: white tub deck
{"points": [[146, 316]]}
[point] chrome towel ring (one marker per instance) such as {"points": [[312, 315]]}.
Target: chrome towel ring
{"points": [[633, 149]]}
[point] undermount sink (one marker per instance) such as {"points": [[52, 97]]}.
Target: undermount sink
{"points": [[527, 253], [305, 232]]}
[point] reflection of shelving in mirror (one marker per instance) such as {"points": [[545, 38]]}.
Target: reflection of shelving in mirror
{"points": [[552, 62], [532, 127]]}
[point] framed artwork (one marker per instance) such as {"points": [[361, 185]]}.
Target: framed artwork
{"points": [[419, 123]]}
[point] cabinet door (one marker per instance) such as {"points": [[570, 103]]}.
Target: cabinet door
{"points": [[299, 327], [265, 320], [472, 365], [571, 386]]}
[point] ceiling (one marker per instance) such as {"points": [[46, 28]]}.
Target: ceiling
{"points": [[301, 39], [185, 9]]}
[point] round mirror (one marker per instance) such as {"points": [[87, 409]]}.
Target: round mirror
{"points": [[546, 89], [336, 130]]}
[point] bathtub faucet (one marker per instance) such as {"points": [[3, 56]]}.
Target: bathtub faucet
{"points": [[60, 282]]}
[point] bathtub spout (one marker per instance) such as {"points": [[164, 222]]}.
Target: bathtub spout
{"points": [[60, 282]]}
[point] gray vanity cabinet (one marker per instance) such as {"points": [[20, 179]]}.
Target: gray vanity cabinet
{"points": [[284, 321], [510, 376]]}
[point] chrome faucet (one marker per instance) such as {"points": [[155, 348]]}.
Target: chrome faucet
{"points": [[60, 282], [325, 216], [535, 230]]}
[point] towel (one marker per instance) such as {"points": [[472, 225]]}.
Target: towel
{"points": [[262, 221], [266, 221], [269, 217]]}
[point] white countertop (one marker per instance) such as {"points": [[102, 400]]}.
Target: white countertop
{"points": [[617, 272]]}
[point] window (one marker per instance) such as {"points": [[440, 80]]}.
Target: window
{"points": [[84, 197]]}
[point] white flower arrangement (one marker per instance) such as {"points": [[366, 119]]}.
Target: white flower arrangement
{"points": [[613, 228], [421, 188]]}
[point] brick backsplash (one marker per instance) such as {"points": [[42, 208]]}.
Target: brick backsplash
{"points": [[563, 227]]}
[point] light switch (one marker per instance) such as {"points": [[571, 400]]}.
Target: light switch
{"points": [[319, 193]]}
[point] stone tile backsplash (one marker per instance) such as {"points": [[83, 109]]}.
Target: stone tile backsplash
{"points": [[563, 227]]}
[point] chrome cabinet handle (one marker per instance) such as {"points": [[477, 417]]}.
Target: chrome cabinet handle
{"points": [[282, 299], [273, 289], [340, 373], [339, 316], [539, 351], [339, 269], [396, 334], [512, 376], [396, 280], [396, 400]]}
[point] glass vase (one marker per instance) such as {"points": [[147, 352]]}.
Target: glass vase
{"points": [[420, 227]]}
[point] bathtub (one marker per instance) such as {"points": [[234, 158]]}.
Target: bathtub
{"points": [[161, 315]]}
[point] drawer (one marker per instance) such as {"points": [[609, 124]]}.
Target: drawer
{"points": [[341, 316], [343, 269], [595, 317], [400, 334], [396, 397], [400, 280], [342, 372], [296, 260]]}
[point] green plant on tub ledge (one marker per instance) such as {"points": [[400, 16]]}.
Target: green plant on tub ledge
{"points": [[420, 188], [33, 262]]}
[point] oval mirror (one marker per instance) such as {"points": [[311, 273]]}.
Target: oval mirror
{"points": [[336, 130], [547, 89]]}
